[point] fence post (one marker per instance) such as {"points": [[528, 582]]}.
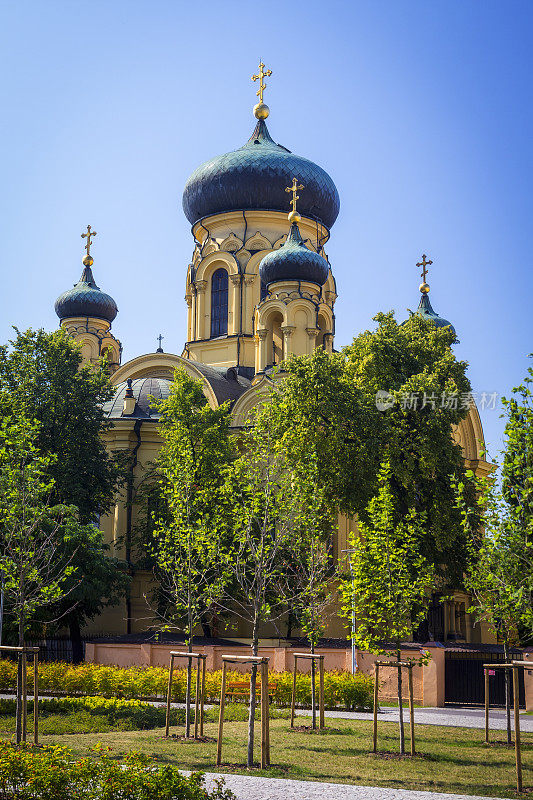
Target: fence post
{"points": [[321, 723], [411, 708]]}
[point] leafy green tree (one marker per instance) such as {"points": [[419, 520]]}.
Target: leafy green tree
{"points": [[390, 578], [328, 402], [264, 509], [188, 542], [309, 574], [33, 568], [42, 379], [500, 574]]}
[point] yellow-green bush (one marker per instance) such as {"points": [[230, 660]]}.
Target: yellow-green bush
{"points": [[53, 774], [341, 689]]}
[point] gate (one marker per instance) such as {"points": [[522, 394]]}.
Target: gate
{"points": [[465, 680]]}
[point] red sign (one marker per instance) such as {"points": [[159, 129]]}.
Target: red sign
{"points": [[492, 672]]}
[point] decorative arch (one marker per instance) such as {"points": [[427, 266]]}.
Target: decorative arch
{"points": [[163, 365], [212, 262], [258, 242], [231, 243]]}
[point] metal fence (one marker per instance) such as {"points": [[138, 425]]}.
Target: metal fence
{"points": [[58, 648]]}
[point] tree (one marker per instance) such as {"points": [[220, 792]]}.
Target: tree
{"points": [[42, 379], [188, 540], [263, 509], [328, 402], [309, 574], [34, 570], [390, 578], [500, 574]]}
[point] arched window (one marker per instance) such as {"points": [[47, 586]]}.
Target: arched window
{"points": [[219, 303]]}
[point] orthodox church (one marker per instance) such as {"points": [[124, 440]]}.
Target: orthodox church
{"points": [[258, 289]]}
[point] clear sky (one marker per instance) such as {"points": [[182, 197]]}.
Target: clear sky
{"points": [[420, 111]]}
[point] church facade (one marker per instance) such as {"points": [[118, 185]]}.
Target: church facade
{"points": [[259, 288]]}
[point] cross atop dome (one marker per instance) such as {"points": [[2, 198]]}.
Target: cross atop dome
{"points": [[261, 110]]}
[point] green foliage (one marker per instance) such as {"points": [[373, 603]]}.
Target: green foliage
{"points": [[42, 381], [31, 528], [390, 578], [500, 574], [51, 773], [341, 689], [94, 714], [41, 378], [187, 544], [326, 403]]}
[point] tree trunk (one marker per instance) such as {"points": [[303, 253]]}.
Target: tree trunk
{"points": [[20, 699], [313, 685], [75, 639], [188, 689], [400, 708], [507, 691], [253, 684]]}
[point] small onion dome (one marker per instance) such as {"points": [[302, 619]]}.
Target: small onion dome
{"points": [[293, 261], [254, 177], [143, 389], [86, 299], [425, 311]]}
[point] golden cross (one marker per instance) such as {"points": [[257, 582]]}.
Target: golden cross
{"points": [[294, 188], [424, 264], [88, 237], [262, 75]]}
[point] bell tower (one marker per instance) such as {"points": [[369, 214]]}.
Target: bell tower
{"points": [[236, 204], [86, 313]]}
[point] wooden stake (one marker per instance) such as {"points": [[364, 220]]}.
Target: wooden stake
{"points": [[487, 687], [518, 753], [293, 701], [267, 714], [169, 689], [36, 698], [221, 715], [24, 696], [202, 698], [321, 723], [376, 679], [197, 698], [411, 709]]}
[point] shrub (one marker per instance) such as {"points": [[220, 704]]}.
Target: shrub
{"points": [[52, 774], [341, 689]]}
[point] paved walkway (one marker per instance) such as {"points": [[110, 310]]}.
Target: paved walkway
{"points": [[250, 787], [460, 717]]}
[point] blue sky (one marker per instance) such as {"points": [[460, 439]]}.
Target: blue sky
{"points": [[420, 111]]}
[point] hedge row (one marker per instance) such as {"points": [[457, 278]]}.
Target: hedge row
{"points": [[341, 689], [53, 774]]}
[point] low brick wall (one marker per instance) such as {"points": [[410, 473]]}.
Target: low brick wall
{"points": [[428, 681]]}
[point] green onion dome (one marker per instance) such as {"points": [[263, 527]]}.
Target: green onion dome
{"points": [[294, 261], [255, 177], [86, 299], [425, 310]]}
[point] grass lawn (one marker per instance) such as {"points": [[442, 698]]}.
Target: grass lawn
{"points": [[451, 759]]}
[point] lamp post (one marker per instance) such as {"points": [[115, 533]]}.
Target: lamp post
{"points": [[354, 654]]}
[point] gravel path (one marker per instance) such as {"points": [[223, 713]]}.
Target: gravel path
{"points": [[248, 787]]}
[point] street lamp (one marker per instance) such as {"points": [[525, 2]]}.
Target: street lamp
{"points": [[354, 654]]}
